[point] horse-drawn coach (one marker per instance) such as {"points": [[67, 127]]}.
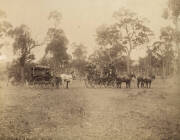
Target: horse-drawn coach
{"points": [[41, 76]]}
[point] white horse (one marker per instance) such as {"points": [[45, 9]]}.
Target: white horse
{"points": [[66, 79]]}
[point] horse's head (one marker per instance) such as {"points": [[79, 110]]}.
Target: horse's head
{"points": [[132, 76], [153, 77]]}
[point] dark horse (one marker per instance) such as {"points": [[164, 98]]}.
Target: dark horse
{"points": [[145, 81], [127, 79], [56, 81]]}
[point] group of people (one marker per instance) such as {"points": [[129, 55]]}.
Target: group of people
{"points": [[108, 77]]}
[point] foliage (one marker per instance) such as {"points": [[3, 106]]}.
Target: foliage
{"points": [[128, 32], [14, 71], [101, 58], [132, 28], [22, 46], [174, 6], [5, 26], [44, 61], [79, 52], [172, 12], [79, 58], [57, 46], [163, 49], [56, 17], [57, 43]]}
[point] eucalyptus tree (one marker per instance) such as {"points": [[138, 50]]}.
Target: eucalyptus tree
{"points": [[163, 49], [127, 33], [79, 55], [5, 26], [57, 42], [22, 46], [172, 12]]}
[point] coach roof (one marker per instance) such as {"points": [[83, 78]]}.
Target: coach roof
{"points": [[41, 67]]}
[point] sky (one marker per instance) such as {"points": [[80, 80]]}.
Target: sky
{"points": [[80, 19]]}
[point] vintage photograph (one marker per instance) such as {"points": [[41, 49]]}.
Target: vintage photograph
{"points": [[89, 69]]}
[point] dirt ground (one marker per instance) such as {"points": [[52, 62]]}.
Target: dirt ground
{"points": [[80, 113]]}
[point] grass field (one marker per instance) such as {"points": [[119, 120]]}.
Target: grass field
{"points": [[80, 113]]}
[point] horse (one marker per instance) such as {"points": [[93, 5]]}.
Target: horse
{"points": [[140, 81], [56, 81], [148, 80], [66, 78], [88, 80], [145, 81], [127, 79]]}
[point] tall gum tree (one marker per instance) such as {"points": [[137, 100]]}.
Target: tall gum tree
{"points": [[172, 12], [163, 49], [57, 43], [79, 57], [108, 37], [133, 31], [5, 26], [22, 46], [128, 32]]}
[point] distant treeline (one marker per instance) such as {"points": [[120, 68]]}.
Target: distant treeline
{"points": [[116, 43]]}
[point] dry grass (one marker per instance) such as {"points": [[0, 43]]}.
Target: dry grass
{"points": [[91, 114]]}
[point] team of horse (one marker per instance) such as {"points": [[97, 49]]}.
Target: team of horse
{"points": [[117, 81], [108, 76]]}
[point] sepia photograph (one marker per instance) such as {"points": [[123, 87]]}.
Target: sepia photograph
{"points": [[89, 69]]}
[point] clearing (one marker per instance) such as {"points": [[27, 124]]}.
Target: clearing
{"points": [[81, 113]]}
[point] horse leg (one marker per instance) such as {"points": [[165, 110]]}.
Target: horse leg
{"points": [[142, 84], [117, 85], [147, 83], [105, 84], [150, 84], [129, 84], [85, 83], [57, 84], [67, 84]]}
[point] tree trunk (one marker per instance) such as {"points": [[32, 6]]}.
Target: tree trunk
{"points": [[110, 58], [147, 66], [22, 74], [177, 46], [128, 63], [163, 69], [150, 63]]}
